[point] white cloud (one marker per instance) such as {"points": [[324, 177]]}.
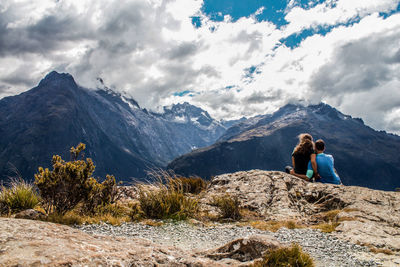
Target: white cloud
{"points": [[334, 12], [150, 49]]}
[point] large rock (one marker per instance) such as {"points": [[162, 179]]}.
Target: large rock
{"points": [[244, 249], [30, 214], [366, 216], [37, 243]]}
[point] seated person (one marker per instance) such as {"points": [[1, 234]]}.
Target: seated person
{"points": [[325, 169], [302, 154]]}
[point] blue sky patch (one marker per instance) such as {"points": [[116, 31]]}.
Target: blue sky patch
{"points": [[274, 11], [183, 93], [196, 21], [295, 39], [387, 14]]}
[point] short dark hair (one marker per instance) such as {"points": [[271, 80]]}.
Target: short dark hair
{"points": [[320, 144]]}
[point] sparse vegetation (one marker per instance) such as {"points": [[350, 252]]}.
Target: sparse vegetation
{"points": [[164, 200], [286, 257], [19, 196], [70, 183], [273, 226], [193, 185], [229, 206], [327, 227], [380, 250], [77, 217], [330, 216]]}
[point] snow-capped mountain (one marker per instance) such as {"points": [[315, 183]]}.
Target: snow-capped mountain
{"points": [[122, 138]]}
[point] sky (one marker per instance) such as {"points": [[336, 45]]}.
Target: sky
{"points": [[233, 58]]}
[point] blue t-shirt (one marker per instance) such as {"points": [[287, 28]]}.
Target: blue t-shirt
{"points": [[325, 169]]}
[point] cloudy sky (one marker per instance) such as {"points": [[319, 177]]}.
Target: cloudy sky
{"points": [[233, 58]]}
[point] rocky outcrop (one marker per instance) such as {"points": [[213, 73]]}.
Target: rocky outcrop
{"points": [[30, 214], [244, 249], [365, 216], [362, 216], [36, 243]]}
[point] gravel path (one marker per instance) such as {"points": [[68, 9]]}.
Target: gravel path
{"points": [[326, 249]]}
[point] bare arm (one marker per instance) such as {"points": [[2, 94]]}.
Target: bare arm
{"points": [[314, 165], [293, 164], [302, 176]]}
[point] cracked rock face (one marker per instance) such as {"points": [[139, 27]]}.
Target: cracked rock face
{"points": [[365, 216]]}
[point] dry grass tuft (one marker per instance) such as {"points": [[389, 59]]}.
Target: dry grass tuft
{"points": [[380, 250], [327, 227], [286, 257], [164, 200], [273, 226], [74, 217], [192, 185], [330, 216], [229, 206], [150, 222], [350, 209], [19, 196]]}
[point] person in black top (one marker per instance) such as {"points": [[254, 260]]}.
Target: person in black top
{"points": [[302, 154]]}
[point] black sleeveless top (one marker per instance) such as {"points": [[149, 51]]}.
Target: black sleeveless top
{"points": [[301, 162]]}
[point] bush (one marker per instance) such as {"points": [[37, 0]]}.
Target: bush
{"points": [[19, 196], [165, 200], [70, 183], [229, 206], [286, 257], [193, 185]]}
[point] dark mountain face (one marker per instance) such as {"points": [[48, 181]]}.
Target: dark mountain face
{"points": [[120, 137], [363, 156]]}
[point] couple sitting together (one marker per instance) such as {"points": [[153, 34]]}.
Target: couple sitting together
{"points": [[309, 161]]}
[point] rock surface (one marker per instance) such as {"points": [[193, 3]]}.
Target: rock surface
{"points": [[365, 216], [36, 243], [30, 214], [27, 243]]}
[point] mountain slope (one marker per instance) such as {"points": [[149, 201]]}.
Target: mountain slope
{"points": [[363, 156], [121, 138]]}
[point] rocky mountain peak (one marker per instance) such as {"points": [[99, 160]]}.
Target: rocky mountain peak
{"points": [[188, 113], [56, 79]]}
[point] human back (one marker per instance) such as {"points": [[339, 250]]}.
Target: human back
{"points": [[302, 153], [326, 169], [325, 165]]}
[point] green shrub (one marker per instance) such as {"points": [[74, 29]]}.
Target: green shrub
{"points": [[70, 183], [19, 196], [165, 200], [286, 257], [229, 206], [193, 185]]}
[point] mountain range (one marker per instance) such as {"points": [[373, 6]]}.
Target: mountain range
{"points": [[362, 156], [121, 138], [126, 140]]}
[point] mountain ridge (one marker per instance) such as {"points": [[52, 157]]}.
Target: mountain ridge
{"points": [[361, 153], [122, 138]]}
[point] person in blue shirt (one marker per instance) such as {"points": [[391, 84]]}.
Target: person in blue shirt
{"points": [[325, 167]]}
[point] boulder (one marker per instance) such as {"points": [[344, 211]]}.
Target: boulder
{"points": [[30, 214], [364, 215], [244, 249]]}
